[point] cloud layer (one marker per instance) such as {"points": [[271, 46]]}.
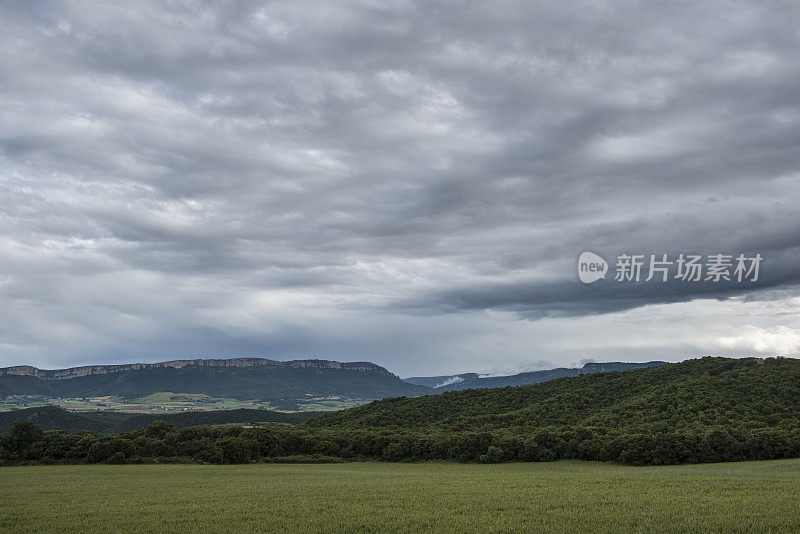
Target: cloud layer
{"points": [[404, 182]]}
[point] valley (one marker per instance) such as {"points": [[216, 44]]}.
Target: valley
{"points": [[169, 402]]}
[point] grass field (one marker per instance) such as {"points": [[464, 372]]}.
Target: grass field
{"points": [[375, 497]]}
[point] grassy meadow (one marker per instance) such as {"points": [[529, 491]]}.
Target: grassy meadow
{"points": [[377, 497]]}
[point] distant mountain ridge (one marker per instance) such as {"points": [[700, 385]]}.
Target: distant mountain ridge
{"points": [[261, 379], [86, 370], [464, 381]]}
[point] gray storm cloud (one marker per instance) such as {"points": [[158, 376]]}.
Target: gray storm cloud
{"points": [[405, 182]]}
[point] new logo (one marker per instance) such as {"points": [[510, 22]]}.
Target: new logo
{"points": [[591, 267]]}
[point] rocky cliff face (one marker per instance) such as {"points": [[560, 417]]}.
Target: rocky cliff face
{"points": [[75, 372]]}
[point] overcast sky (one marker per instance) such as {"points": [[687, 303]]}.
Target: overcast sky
{"points": [[408, 183]]}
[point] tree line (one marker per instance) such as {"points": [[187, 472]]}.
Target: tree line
{"points": [[161, 442]]}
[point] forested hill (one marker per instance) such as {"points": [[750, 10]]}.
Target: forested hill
{"points": [[741, 394]]}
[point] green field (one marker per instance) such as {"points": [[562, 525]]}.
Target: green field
{"points": [[378, 497]]}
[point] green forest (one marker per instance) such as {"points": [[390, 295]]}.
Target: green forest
{"points": [[101, 422], [704, 410]]}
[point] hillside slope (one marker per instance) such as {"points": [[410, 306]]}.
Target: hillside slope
{"points": [[239, 378], [735, 393]]}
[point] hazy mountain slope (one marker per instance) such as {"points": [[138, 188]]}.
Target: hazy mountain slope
{"points": [[250, 378], [442, 382], [473, 380]]}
